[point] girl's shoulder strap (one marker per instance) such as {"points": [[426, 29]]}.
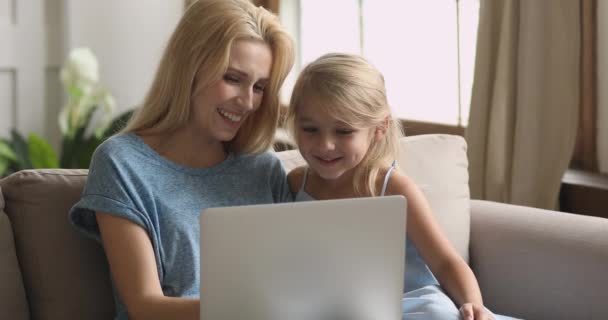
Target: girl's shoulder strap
{"points": [[386, 177]]}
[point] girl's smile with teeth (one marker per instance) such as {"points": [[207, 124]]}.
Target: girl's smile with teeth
{"points": [[328, 160]]}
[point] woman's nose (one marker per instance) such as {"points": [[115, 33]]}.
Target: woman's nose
{"points": [[245, 98]]}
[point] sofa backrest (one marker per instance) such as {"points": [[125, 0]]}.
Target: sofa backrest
{"points": [[438, 164], [65, 275], [13, 304]]}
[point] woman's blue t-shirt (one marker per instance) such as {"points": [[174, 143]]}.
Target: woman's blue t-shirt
{"points": [[130, 180]]}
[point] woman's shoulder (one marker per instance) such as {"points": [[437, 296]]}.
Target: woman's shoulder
{"points": [[122, 148], [260, 165], [119, 143], [266, 158]]}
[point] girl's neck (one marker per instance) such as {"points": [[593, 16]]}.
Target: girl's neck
{"points": [[185, 148], [324, 189], [343, 187]]}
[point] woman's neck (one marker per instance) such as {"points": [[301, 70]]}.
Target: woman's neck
{"points": [[185, 148]]}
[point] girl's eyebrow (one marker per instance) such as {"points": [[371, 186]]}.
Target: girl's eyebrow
{"points": [[305, 119]]}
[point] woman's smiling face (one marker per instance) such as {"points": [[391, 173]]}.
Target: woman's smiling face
{"points": [[219, 110]]}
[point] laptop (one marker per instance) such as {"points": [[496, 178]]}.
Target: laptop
{"points": [[316, 260]]}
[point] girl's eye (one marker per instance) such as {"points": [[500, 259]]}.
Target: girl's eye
{"points": [[309, 129], [344, 131]]}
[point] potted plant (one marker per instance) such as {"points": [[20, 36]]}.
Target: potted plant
{"points": [[85, 122]]}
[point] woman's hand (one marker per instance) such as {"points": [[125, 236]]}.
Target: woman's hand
{"points": [[472, 311]]}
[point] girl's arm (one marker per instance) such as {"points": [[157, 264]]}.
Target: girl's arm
{"points": [[451, 270], [133, 267], [294, 178]]}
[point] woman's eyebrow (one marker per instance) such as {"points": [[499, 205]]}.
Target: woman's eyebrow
{"points": [[247, 75]]}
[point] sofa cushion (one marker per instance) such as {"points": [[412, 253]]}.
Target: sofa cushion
{"points": [[65, 275], [13, 304], [438, 164]]}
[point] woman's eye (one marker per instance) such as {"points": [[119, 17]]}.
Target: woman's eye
{"points": [[258, 88], [344, 131], [231, 78]]}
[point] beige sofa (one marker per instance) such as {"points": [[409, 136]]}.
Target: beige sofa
{"points": [[531, 263]]}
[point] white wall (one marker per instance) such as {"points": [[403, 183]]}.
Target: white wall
{"points": [[127, 36], [22, 65], [602, 112]]}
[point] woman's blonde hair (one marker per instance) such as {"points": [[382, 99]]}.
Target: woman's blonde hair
{"points": [[202, 41], [352, 91]]}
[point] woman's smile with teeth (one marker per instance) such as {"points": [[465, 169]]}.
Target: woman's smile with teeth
{"points": [[230, 116]]}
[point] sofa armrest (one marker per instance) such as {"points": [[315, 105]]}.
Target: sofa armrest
{"points": [[540, 264]]}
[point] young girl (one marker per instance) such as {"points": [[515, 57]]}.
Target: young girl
{"points": [[342, 124]]}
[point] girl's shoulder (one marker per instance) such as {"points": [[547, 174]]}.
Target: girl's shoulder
{"points": [[399, 183], [295, 178]]}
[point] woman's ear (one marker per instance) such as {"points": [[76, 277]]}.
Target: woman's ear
{"points": [[381, 130]]}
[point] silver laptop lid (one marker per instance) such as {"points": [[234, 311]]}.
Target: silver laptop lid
{"points": [[335, 259]]}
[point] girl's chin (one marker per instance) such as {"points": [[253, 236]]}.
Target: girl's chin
{"points": [[329, 174]]}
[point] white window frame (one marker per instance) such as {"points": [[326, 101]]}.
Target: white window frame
{"points": [[290, 16]]}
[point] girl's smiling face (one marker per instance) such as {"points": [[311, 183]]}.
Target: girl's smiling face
{"points": [[331, 147]]}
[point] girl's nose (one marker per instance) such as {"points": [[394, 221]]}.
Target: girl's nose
{"points": [[327, 143]]}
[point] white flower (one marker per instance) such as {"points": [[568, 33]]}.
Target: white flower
{"points": [[89, 104], [80, 70]]}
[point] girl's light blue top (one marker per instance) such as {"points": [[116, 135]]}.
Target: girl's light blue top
{"points": [[417, 273]]}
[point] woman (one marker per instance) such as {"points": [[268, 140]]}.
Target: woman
{"points": [[198, 141]]}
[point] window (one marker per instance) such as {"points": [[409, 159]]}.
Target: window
{"points": [[425, 49]]}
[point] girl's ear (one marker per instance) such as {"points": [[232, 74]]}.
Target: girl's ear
{"points": [[381, 130]]}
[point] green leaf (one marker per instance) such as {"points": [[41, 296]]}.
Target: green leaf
{"points": [[71, 146], [75, 92], [21, 151], [85, 152], [77, 150], [118, 124], [67, 146], [80, 131], [41, 153], [6, 152], [3, 166], [80, 153]]}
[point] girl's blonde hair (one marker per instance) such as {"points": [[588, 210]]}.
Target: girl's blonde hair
{"points": [[202, 41], [352, 91]]}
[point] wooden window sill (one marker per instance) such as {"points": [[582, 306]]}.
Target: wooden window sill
{"points": [[585, 193]]}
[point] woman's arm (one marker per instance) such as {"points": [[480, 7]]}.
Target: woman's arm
{"points": [[133, 267], [451, 270]]}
